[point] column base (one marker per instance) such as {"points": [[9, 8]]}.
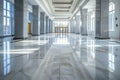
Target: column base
{"points": [[84, 34], [7, 36], [35, 34], [99, 37], [20, 38], [42, 33]]}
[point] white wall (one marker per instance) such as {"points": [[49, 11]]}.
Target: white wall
{"points": [[116, 33]]}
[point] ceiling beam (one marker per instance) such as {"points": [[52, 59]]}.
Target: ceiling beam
{"points": [[65, 5], [61, 8]]}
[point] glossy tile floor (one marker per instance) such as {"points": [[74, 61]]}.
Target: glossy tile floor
{"points": [[60, 57]]}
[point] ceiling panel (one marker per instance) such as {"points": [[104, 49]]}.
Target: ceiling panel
{"points": [[65, 1], [62, 7], [61, 10]]}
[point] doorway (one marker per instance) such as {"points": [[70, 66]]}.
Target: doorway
{"points": [[29, 28], [61, 29]]}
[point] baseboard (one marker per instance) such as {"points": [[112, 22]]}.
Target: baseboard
{"points": [[84, 34], [20, 38], [35, 34], [42, 33], [6, 36], [102, 37]]}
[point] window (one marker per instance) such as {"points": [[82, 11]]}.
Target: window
{"points": [[111, 16], [61, 23], [8, 18]]}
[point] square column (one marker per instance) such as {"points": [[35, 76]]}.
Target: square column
{"points": [[21, 19], [42, 22], [47, 24], [72, 25], [36, 20], [1, 19], [51, 26], [102, 26], [84, 21], [77, 18]]}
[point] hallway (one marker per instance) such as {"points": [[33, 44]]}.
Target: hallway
{"points": [[60, 57]]}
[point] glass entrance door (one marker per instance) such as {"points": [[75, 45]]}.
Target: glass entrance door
{"points": [[61, 29]]}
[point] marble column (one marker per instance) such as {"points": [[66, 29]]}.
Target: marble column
{"points": [[47, 24], [51, 26], [102, 26], [36, 20], [84, 21], [72, 25], [21, 19], [42, 22], [77, 18], [1, 19]]}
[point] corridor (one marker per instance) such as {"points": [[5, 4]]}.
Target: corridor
{"points": [[60, 57]]}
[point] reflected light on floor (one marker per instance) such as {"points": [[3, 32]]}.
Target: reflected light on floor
{"points": [[31, 42], [19, 51], [111, 63], [111, 59], [59, 41]]}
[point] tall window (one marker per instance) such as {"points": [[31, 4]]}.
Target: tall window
{"points": [[61, 23], [8, 18], [111, 16]]}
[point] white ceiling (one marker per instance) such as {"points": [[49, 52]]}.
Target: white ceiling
{"points": [[59, 9]]}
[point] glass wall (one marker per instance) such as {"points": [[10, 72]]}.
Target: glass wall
{"points": [[8, 17], [61, 26], [61, 23]]}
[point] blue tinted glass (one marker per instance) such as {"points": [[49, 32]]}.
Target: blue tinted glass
{"points": [[4, 21], [8, 5], [8, 13], [12, 7], [8, 21], [5, 4], [4, 12], [11, 14]]}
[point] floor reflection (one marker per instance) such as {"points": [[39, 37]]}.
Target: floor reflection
{"points": [[61, 40], [60, 57], [6, 58]]}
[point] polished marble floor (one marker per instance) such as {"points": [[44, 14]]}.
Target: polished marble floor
{"points": [[59, 57]]}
